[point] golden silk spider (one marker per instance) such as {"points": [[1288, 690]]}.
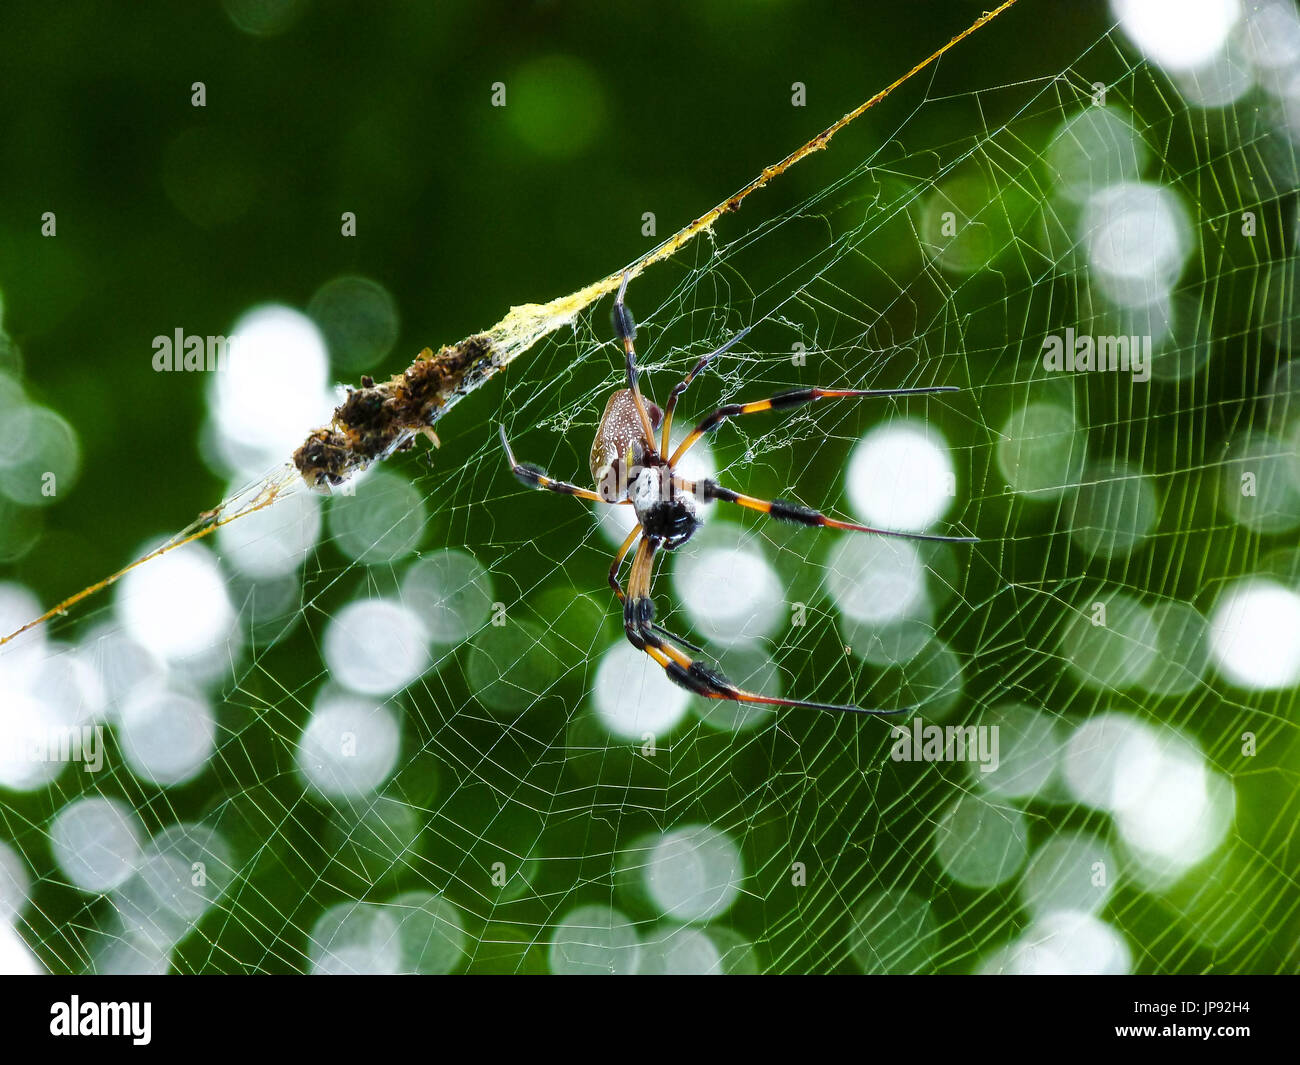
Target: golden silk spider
{"points": [[628, 469]]}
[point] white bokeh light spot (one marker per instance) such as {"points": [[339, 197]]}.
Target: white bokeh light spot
{"points": [[876, 580], [1064, 943], [25, 737], [1137, 237], [275, 387], [694, 873], [349, 747], [21, 656], [96, 843], [376, 646], [355, 939], [272, 542], [1255, 635], [15, 884], [177, 606], [676, 950], [595, 940], [901, 477], [632, 695], [166, 736], [1178, 34], [1108, 759], [1180, 816], [730, 591]]}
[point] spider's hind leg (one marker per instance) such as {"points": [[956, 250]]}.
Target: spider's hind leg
{"points": [[711, 683], [683, 670], [638, 617], [699, 678]]}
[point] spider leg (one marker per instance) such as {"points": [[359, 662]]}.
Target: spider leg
{"points": [[622, 597], [536, 477], [786, 511], [709, 682], [677, 639], [618, 561], [625, 327], [685, 383], [693, 675], [793, 398]]}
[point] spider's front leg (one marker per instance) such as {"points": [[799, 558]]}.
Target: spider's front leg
{"points": [[536, 477], [625, 328], [793, 398]]}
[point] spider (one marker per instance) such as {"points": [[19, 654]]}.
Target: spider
{"points": [[629, 470]]}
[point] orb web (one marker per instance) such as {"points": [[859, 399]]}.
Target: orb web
{"points": [[415, 740]]}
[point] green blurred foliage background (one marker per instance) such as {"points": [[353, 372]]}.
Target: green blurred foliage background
{"points": [[384, 110], [175, 216]]}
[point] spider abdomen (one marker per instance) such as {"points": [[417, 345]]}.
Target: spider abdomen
{"points": [[619, 435]]}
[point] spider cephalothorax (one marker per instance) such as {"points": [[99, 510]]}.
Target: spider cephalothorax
{"points": [[628, 469], [665, 506]]}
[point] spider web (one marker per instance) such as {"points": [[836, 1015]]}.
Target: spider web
{"points": [[512, 814]]}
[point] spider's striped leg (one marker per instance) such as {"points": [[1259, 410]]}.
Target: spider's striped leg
{"points": [[687, 672], [685, 383], [783, 510], [709, 682], [536, 477], [618, 561], [638, 607], [622, 597], [793, 398], [625, 327]]}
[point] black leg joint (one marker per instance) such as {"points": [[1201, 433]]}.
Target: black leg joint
{"points": [[680, 677], [634, 635], [722, 413], [712, 490], [793, 398], [624, 325], [700, 679], [787, 511], [638, 621], [528, 473], [711, 677]]}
